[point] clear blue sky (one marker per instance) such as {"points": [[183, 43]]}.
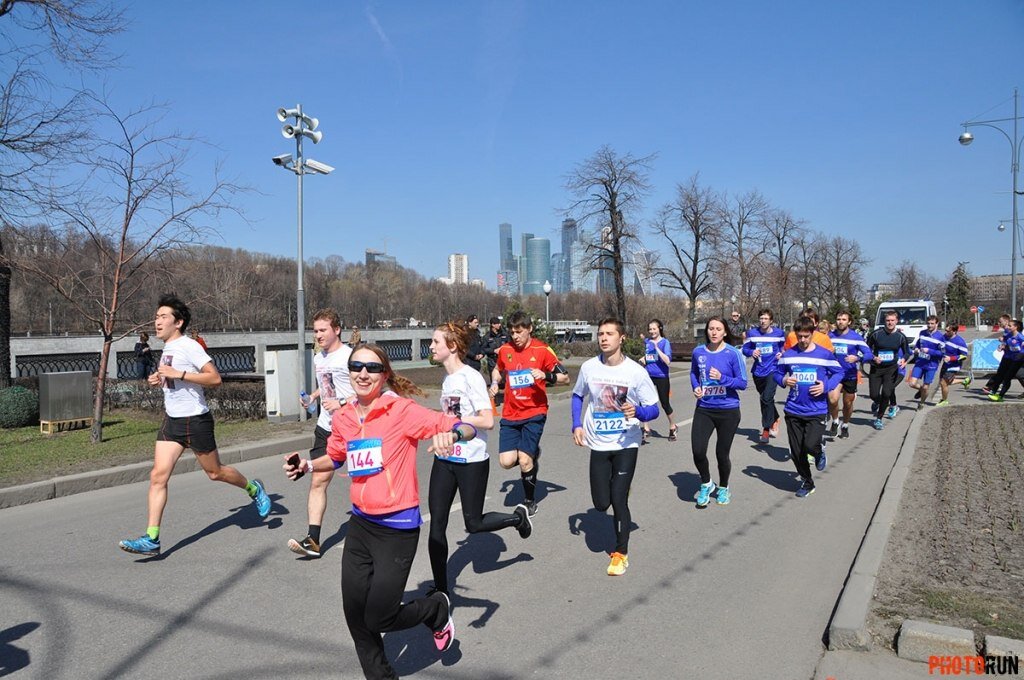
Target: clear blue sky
{"points": [[446, 118]]}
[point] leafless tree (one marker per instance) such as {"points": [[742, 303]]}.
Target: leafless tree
{"points": [[41, 124], [689, 226], [912, 282], [134, 207], [839, 265], [781, 233], [741, 244], [610, 188]]}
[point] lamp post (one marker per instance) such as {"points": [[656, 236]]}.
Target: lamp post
{"points": [[1015, 145], [547, 302], [304, 126]]}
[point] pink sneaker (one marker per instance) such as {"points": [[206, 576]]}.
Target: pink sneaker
{"points": [[444, 637]]}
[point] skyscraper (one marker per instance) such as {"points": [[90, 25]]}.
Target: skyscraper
{"points": [[506, 260], [538, 265], [570, 236], [605, 275], [458, 268]]}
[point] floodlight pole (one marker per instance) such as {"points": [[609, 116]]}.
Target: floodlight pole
{"points": [[300, 293]]}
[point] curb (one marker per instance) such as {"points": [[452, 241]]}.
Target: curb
{"points": [[848, 628], [139, 472]]}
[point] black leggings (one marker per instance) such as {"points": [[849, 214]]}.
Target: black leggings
{"points": [[663, 388], [882, 382], [471, 481], [374, 570], [706, 420], [611, 474], [1007, 373], [805, 436]]}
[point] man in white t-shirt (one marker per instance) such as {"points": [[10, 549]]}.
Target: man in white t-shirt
{"points": [[333, 389], [183, 371]]}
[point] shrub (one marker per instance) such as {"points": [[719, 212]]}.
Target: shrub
{"points": [[19, 407]]}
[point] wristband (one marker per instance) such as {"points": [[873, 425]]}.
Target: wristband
{"points": [[549, 377], [309, 466], [458, 432]]}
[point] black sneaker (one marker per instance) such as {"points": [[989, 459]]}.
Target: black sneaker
{"points": [[834, 430], [806, 489], [844, 431], [531, 507], [307, 547], [525, 526]]}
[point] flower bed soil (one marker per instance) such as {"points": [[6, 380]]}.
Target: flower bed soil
{"points": [[956, 553]]}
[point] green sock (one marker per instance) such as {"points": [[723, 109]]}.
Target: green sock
{"points": [[153, 533], [251, 489]]}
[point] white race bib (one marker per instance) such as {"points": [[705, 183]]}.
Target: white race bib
{"points": [[887, 356], [765, 347], [842, 348], [520, 379], [651, 358], [610, 423], [714, 391], [365, 457], [456, 456], [804, 377]]}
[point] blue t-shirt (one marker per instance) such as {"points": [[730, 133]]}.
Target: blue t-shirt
{"points": [[770, 343], [721, 393], [850, 343], [929, 347], [656, 368], [956, 349], [813, 366], [1014, 346]]}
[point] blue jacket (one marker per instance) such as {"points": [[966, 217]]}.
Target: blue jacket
{"points": [[850, 343], [813, 366], [721, 393], [770, 343]]}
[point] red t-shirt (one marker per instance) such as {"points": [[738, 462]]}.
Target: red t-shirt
{"points": [[524, 401]]}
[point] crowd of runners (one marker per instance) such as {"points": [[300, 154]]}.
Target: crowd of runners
{"points": [[369, 422]]}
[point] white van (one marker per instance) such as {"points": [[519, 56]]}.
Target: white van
{"points": [[913, 315]]}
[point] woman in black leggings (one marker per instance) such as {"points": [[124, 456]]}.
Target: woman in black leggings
{"points": [[621, 397], [463, 395]]}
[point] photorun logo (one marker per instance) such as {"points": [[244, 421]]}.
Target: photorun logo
{"points": [[974, 665]]}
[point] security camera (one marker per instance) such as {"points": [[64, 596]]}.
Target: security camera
{"points": [[317, 166], [283, 160]]}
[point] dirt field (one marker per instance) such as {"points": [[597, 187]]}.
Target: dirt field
{"points": [[956, 553]]}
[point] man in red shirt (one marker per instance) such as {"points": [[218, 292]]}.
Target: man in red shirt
{"points": [[527, 367]]}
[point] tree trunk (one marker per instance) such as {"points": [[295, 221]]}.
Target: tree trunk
{"points": [[5, 324], [101, 384]]}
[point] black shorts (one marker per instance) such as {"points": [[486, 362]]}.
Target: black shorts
{"points": [[320, 436], [191, 432], [849, 386]]}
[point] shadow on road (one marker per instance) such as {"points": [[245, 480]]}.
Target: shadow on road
{"points": [[686, 484], [13, 658], [785, 480], [513, 490], [597, 529]]}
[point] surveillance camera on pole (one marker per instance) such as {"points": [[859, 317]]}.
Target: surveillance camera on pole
{"points": [[316, 167], [283, 160]]}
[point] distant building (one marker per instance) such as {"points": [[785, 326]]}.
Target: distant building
{"points": [[506, 260], [458, 267], [538, 265], [582, 276], [508, 282], [881, 290], [605, 275], [374, 257], [570, 241], [994, 288], [478, 282]]}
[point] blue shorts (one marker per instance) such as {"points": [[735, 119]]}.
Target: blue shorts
{"points": [[521, 435], [927, 370]]}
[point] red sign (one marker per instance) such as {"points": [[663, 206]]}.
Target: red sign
{"points": [[974, 310]]}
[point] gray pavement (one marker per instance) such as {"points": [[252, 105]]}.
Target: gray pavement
{"points": [[739, 591]]}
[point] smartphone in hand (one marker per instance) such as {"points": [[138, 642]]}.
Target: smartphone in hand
{"points": [[294, 461]]}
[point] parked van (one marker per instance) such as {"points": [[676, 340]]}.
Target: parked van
{"points": [[913, 315]]}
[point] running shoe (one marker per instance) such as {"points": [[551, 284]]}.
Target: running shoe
{"points": [[995, 397], [525, 526], [618, 565], [821, 462], [774, 431], [891, 412], [444, 636], [261, 499], [986, 390], [765, 434], [307, 547], [834, 430], [645, 438], [672, 434], [143, 545], [877, 424], [844, 431], [704, 494], [723, 495], [531, 507], [944, 402], [806, 489], [967, 382]]}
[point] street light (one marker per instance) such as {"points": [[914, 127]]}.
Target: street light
{"points": [[547, 302], [304, 126], [1015, 144]]}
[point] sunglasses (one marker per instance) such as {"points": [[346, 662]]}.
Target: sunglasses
{"points": [[370, 366]]}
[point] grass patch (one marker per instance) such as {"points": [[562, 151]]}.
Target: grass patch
{"points": [[28, 456], [992, 615]]}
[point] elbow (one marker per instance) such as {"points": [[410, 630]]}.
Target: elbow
{"points": [[486, 422], [216, 380]]}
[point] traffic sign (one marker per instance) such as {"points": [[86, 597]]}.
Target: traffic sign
{"points": [[980, 308], [974, 310]]}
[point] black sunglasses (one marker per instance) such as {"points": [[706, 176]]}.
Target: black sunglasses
{"points": [[370, 366]]}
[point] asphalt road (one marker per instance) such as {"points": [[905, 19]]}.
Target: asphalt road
{"points": [[738, 591]]}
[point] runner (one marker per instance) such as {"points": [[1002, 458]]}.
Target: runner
{"points": [[657, 356], [955, 351], [810, 372], [994, 381], [717, 372], [528, 366], [463, 395], [330, 365], [376, 434], [820, 339], [622, 395], [764, 343], [1012, 361], [850, 350], [184, 370], [890, 349], [929, 350]]}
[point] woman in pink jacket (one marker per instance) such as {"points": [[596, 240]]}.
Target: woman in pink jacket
{"points": [[377, 434]]}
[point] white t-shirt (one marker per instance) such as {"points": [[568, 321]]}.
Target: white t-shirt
{"points": [[464, 393], [181, 397], [332, 380], [609, 387]]}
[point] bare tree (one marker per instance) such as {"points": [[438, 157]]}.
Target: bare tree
{"points": [[41, 125], [781, 232], [610, 188], [689, 225], [741, 243], [134, 207], [912, 282], [839, 267]]}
